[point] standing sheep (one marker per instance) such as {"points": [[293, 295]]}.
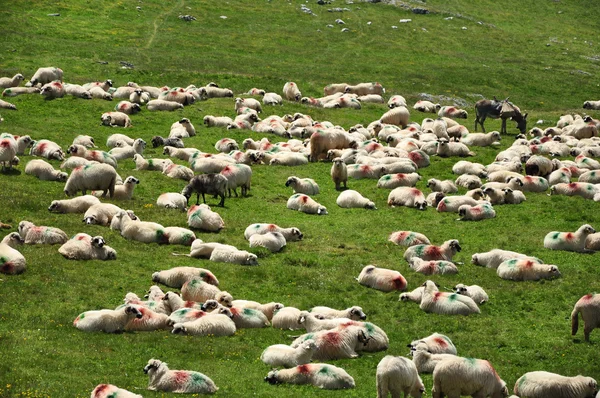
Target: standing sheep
{"points": [[589, 307], [212, 184], [339, 173], [570, 241], [430, 252], [467, 376], [12, 261], [526, 270], [397, 375], [327, 377], [45, 75], [238, 175], [325, 139], [408, 238], [92, 177], [353, 199], [444, 303], [305, 204], [161, 378], [542, 384], [32, 234], [306, 186], [386, 280], [407, 196]]}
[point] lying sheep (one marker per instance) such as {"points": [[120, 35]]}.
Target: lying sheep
{"points": [[290, 234], [584, 189], [365, 89], [339, 343], [306, 186], [268, 309], [108, 321], [288, 159], [446, 186], [391, 181], [74, 162], [426, 106], [214, 325], [85, 247], [430, 252], [355, 313], [589, 307], [382, 279], [591, 105], [12, 262], [53, 90], [592, 242], [433, 266], [526, 270], [109, 390], [424, 360], [115, 119], [141, 231], [47, 149], [288, 357], [305, 204], [468, 181], [436, 344], [123, 191], [203, 218], [162, 105], [226, 255], [93, 177], [33, 234], [177, 276], [474, 291], [408, 238], [446, 303], [8, 82], [450, 149], [161, 378], [150, 164], [217, 121], [407, 196], [467, 376], [495, 257], [150, 321], [291, 92], [115, 139], [212, 184], [179, 236], [359, 171], [397, 375], [177, 171], [352, 199], [85, 140], [273, 241], [481, 139], [246, 318], [172, 200], [542, 384], [100, 214], [320, 375], [44, 171], [286, 318], [98, 156], [466, 167], [453, 203], [174, 142], [570, 241], [313, 324], [476, 213], [127, 152], [195, 289]]}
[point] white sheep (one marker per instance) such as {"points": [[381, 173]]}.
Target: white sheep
{"points": [[383, 279], [177, 171], [47, 149], [268, 308], [397, 375], [246, 318], [424, 360], [415, 295], [114, 139], [391, 181], [100, 214], [339, 173], [203, 218], [450, 149], [33, 234], [467, 376], [353, 199], [286, 356], [110, 390], [493, 258], [286, 318], [108, 321], [398, 116], [476, 213], [98, 156], [320, 375], [453, 203], [238, 175], [433, 266], [7, 82], [426, 106], [149, 321], [584, 189], [339, 343], [290, 234], [172, 200], [13, 92], [85, 247], [162, 105], [150, 164], [592, 242], [431, 252], [306, 186], [44, 171], [466, 167], [591, 105], [407, 196], [291, 92], [474, 291], [115, 119], [45, 75], [200, 249], [288, 159], [214, 325], [468, 181], [217, 121], [177, 276], [408, 238], [123, 191], [195, 289], [446, 303], [446, 186], [92, 177], [355, 313], [365, 88], [570, 241], [518, 269], [179, 236], [435, 343], [313, 324], [127, 152], [161, 378], [138, 96], [589, 307], [305, 204], [540, 384], [12, 262], [273, 241], [214, 92], [481, 139], [226, 255]]}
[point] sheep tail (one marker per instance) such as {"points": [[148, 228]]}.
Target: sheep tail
{"points": [[574, 321], [181, 254]]}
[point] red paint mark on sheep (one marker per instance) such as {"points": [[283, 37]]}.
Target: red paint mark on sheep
{"points": [[41, 148], [303, 369], [440, 341], [569, 236], [303, 198], [433, 252], [181, 377], [332, 338], [399, 283], [437, 296], [99, 390]]}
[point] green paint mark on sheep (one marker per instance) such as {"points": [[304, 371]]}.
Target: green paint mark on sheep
{"points": [[419, 250], [249, 312], [186, 238], [452, 297], [555, 235], [195, 282], [471, 361], [113, 395], [198, 379], [150, 163], [370, 328], [3, 260], [81, 316]]}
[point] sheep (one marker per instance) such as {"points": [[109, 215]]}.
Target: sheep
{"points": [[100, 214], [589, 307], [246, 318], [214, 92], [286, 356], [398, 116], [408, 238], [139, 96], [85, 140], [123, 191], [430, 252], [115, 119], [291, 92], [177, 276], [365, 89], [584, 189], [449, 149], [44, 171], [339, 343], [179, 236], [91, 177], [286, 318], [495, 257], [13, 92], [150, 164], [305, 204], [313, 324], [466, 167], [113, 140], [203, 218], [452, 112], [397, 375], [539, 166], [320, 375], [570, 241], [178, 95], [174, 142], [359, 171], [467, 376], [446, 186], [386, 280], [162, 105], [47, 149], [217, 121], [476, 213], [8, 82], [214, 325], [591, 176], [523, 269], [195, 289], [333, 88], [453, 203], [290, 234], [481, 139], [85, 247], [542, 384], [435, 344], [355, 313], [212, 184], [186, 314], [149, 321], [272, 99], [433, 266], [33, 234], [98, 156], [141, 231], [407, 196], [240, 257], [474, 291], [108, 321], [289, 159], [99, 93], [182, 128], [12, 262], [352, 199], [161, 378], [323, 140], [45, 75], [468, 181], [513, 196], [177, 171], [184, 154], [306, 186], [110, 390], [127, 152], [172, 200], [339, 173], [426, 106], [591, 105], [273, 241], [424, 360]]}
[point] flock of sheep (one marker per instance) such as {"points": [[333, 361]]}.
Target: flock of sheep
{"points": [[389, 150]]}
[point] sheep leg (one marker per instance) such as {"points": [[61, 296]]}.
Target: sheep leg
{"points": [[503, 128], [203, 198], [337, 186], [222, 202], [586, 332]]}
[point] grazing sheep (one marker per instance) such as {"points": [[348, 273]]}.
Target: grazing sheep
{"points": [[397, 375], [306, 186], [100, 214], [325, 139], [92, 177], [467, 376], [355, 313], [288, 357], [436, 344], [519, 269], [203, 218], [108, 321], [495, 257], [161, 378], [433, 266], [226, 255], [408, 238], [407, 196], [32, 234], [352, 199], [476, 213], [339, 173], [172, 200], [112, 391], [290, 234], [305, 204], [589, 307], [327, 377], [570, 241], [84, 247], [430, 252], [444, 303], [386, 280], [115, 119], [424, 360], [44, 171], [212, 184], [273, 241], [12, 261], [474, 291], [214, 325], [446, 186], [542, 384], [286, 318]]}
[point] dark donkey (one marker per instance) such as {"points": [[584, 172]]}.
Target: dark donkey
{"points": [[493, 108]]}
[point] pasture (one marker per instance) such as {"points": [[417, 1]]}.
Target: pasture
{"points": [[538, 53]]}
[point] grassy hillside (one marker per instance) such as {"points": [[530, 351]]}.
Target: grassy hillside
{"points": [[538, 53]]}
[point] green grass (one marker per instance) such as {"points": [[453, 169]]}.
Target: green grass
{"points": [[524, 327]]}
